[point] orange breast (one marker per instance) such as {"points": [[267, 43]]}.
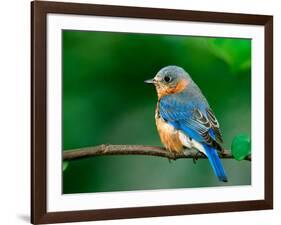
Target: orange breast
{"points": [[164, 90], [168, 134]]}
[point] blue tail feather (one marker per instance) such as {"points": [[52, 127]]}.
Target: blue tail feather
{"points": [[215, 162]]}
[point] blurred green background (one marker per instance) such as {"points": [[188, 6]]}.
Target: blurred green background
{"points": [[105, 101]]}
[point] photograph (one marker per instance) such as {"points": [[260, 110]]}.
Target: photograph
{"points": [[156, 111], [147, 112], [127, 112]]}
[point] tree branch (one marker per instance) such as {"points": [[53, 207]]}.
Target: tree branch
{"points": [[101, 150]]}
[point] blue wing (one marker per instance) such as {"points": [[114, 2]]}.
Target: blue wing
{"points": [[193, 118], [197, 121]]}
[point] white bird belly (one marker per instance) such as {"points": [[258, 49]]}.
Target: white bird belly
{"points": [[190, 143]]}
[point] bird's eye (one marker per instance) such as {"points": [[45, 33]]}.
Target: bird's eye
{"points": [[167, 79]]}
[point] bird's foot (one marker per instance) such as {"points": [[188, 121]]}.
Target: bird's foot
{"points": [[195, 158], [172, 157], [223, 152]]}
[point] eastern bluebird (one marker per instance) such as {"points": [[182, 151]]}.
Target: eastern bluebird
{"points": [[184, 117]]}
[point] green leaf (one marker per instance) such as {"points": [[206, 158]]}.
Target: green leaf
{"points": [[65, 165], [235, 52], [241, 146]]}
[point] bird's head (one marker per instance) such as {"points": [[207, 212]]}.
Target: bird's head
{"points": [[170, 80]]}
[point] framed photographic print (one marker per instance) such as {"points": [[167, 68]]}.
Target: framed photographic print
{"points": [[143, 112]]}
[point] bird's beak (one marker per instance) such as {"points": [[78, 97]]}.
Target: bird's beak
{"points": [[151, 81]]}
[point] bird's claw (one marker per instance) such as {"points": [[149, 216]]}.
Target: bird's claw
{"points": [[172, 157], [195, 158], [223, 152]]}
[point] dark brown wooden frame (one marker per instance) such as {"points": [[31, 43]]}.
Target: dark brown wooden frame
{"points": [[39, 11]]}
